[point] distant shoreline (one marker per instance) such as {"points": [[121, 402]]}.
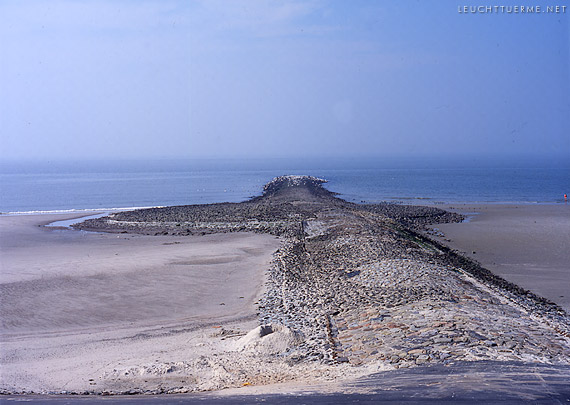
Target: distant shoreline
{"points": [[410, 201]]}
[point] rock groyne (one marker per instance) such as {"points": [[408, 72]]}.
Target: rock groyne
{"points": [[364, 285]]}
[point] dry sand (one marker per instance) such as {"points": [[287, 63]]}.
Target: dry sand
{"points": [[91, 312], [526, 244]]}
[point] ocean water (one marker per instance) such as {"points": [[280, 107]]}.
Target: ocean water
{"points": [[62, 186]]}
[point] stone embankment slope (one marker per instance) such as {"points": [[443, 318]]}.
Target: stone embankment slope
{"points": [[362, 285]]}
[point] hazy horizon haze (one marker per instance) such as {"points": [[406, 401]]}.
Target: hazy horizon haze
{"points": [[218, 79]]}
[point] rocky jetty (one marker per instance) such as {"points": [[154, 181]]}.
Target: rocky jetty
{"points": [[286, 204], [363, 284]]}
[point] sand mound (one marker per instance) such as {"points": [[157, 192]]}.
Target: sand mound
{"points": [[269, 340], [250, 360]]}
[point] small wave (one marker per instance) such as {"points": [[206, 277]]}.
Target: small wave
{"points": [[409, 198], [77, 211]]}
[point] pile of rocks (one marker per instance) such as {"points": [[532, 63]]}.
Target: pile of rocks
{"points": [[286, 202], [361, 285], [371, 295]]}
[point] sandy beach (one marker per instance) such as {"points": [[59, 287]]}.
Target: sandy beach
{"points": [[182, 299], [74, 302], [526, 244]]}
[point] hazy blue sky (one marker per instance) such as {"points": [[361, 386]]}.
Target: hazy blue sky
{"points": [[161, 78]]}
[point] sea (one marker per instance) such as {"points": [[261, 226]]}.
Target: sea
{"points": [[67, 186]]}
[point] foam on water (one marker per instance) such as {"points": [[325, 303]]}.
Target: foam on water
{"points": [[76, 211]]}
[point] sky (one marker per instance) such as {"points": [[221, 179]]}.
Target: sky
{"points": [[284, 78]]}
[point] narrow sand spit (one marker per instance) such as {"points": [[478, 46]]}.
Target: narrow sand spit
{"points": [[295, 285]]}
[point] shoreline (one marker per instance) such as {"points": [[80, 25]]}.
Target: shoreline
{"points": [[443, 203], [72, 211], [410, 202], [340, 290], [525, 244]]}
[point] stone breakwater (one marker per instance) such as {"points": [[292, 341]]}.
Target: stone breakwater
{"points": [[364, 285]]}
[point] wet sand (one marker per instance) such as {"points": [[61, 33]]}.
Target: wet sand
{"points": [[526, 244]]}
